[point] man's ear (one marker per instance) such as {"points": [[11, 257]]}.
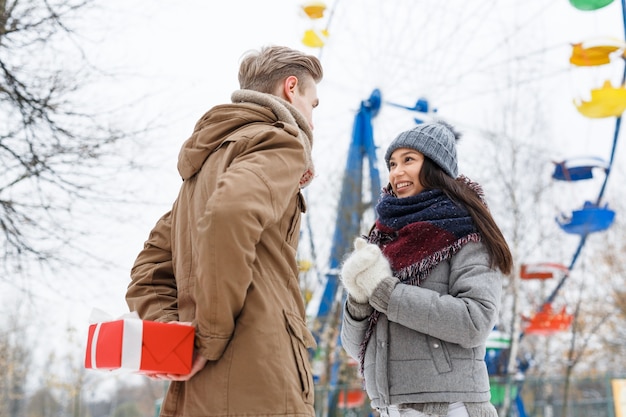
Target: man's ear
{"points": [[289, 88]]}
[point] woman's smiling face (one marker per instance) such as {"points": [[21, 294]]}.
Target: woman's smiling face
{"points": [[405, 165]]}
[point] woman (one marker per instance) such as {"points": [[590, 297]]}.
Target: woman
{"points": [[424, 288]]}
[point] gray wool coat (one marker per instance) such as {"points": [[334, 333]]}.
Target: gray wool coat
{"points": [[428, 346]]}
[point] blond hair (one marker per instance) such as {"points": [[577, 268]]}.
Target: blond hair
{"points": [[263, 70]]}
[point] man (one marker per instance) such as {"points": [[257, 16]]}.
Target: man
{"points": [[224, 257]]}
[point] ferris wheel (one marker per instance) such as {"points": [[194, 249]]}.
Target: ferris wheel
{"points": [[423, 59], [390, 65]]}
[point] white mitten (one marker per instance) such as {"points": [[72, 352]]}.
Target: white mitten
{"points": [[349, 272], [364, 269]]}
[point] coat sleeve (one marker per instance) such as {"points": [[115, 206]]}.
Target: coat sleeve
{"points": [[352, 331], [466, 314], [251, 195], [152, 290]]}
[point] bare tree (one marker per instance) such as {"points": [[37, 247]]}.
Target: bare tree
{"points": [[50, 143], [615, 341], [518, 202], [43, 404], [513, 167], [15, 366], [65, 377], [590, 314], [610, 263]]}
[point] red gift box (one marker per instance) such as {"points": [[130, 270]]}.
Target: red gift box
{"points": [[140, 345]]}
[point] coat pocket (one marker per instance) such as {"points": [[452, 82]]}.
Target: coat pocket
{"points": [[301, 339], [440, 355]]}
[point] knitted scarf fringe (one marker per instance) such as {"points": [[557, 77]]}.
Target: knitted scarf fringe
{"points": [[414, 274]]}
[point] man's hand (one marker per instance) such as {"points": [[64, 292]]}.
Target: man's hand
{"points": [[198, 363]]}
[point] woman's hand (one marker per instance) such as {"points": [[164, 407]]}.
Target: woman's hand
{"points": [[364, 269]]}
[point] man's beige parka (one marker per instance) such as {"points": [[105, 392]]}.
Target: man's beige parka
{"points": [[224, 258]]}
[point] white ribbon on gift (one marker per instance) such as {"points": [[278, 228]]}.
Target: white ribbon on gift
{"points": [[132, 335]]}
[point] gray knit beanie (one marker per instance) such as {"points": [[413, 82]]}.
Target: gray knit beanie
{"points": [[436, 140]]}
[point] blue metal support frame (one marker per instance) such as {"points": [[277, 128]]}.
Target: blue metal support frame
{"points": [[350, 211], [350, 206]]}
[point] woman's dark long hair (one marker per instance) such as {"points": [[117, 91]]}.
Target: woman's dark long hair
{"points": [[431, 176]]}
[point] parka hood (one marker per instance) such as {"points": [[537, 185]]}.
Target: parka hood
{"points": [[213, 128], [219, 123]]}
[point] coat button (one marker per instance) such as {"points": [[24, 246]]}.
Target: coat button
{"points": [[435, 345]]}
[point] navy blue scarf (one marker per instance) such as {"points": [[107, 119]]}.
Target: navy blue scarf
{"points": [[416, 234]]}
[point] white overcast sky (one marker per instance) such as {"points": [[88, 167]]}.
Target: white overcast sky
{"points": [[173, 60]]}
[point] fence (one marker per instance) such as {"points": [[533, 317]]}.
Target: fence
{"points": [[587, 397], [542, 397]]}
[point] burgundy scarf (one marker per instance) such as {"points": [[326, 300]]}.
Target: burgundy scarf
{"points": [[417, 233]]}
